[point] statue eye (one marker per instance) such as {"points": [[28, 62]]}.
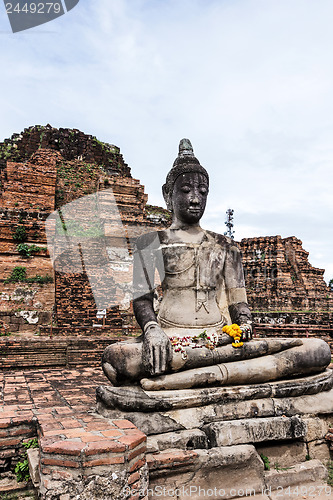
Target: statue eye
{"points": [[186, 189], [203, 190]]}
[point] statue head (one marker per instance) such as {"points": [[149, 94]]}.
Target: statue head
{"points": [[185, 163]]}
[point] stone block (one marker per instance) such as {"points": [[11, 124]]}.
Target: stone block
{"points": [[33, 459], [254, 430], [316, 428], [319, 449], [305, 472], [183, 440], [283, 454], [322, 403], [224, 472]]}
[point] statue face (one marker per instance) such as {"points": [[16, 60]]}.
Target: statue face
{"points": [[189, 197]]}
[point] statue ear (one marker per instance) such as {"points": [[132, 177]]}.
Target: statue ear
{"points": [[167, 197]]}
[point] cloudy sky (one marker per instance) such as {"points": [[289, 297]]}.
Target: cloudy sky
{"points": [[249, 82]]}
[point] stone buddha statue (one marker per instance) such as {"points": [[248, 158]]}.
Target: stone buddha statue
{"points": [[183, 344]]}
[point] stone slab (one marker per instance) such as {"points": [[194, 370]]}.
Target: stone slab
{"points": [[305, 472], [283, 454], [136, 399], [316, 427], [216, 473], [183, 440], [33, 460], [254, 430], [318, 404], [191, 418], [319, 449]]}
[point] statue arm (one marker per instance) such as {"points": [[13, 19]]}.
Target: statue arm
{"points": [[143, 280], [235, 290], [156, 349]]}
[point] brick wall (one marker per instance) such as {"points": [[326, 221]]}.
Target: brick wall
{"points": [[41, 169], [279, 276], [67, 351]]}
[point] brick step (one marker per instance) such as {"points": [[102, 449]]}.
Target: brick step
{"points": [[294, 328], [88, 331], [18, 353]]}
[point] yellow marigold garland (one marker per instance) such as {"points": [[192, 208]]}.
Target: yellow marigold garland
{"points": [[235, 332]]}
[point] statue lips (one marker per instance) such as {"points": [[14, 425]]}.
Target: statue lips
{"points": [[196, 213]]}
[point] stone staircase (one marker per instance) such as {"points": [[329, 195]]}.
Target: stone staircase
{"points": [[266, 457], [235, 471]]}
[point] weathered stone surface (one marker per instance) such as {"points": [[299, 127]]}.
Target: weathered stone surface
{"points": [[319, 449], [306, 472], [33, 459], [135, 399], [153, 423], [95, 487], [303, 386], [8, 483], [191, 418], [316, 428], [184, 440], [254, 430], [283, 454], [220, 471], [321, 403]]}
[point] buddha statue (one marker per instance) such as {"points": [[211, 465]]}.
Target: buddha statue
{"points": [[184, 344]]}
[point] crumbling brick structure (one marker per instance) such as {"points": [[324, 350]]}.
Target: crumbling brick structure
{"points": [[41, 170], [282, 286]]}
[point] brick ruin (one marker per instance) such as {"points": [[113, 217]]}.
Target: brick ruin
{"points": [[43, 169], [279, 277]]}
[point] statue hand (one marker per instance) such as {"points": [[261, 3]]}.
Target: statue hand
{"points": [[156, 350]]}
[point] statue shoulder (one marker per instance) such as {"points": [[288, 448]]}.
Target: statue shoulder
{"points": [[222, 240], [150, 240]]}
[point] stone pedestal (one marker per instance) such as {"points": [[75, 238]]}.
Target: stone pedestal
{"points": [[217, 438]]}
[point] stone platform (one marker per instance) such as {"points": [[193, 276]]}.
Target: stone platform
{"points": [[212, 439], [81, 452]]}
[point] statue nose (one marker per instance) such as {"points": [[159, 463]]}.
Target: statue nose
{"points": [[195, 199]]}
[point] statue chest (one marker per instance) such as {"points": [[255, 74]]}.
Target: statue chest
{"points": [[190, 265]]}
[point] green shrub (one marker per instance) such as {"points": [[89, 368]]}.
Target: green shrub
{"points": [[26, 250], [20, 234], [266, 461], [329, 466], [22, 468], [40, 279], [19, 273]]}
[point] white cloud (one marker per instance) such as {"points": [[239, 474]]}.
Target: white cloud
{"points": [[249, 82]]}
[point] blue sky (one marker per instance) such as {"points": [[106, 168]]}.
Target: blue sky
{"points": [[249, 82]]}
